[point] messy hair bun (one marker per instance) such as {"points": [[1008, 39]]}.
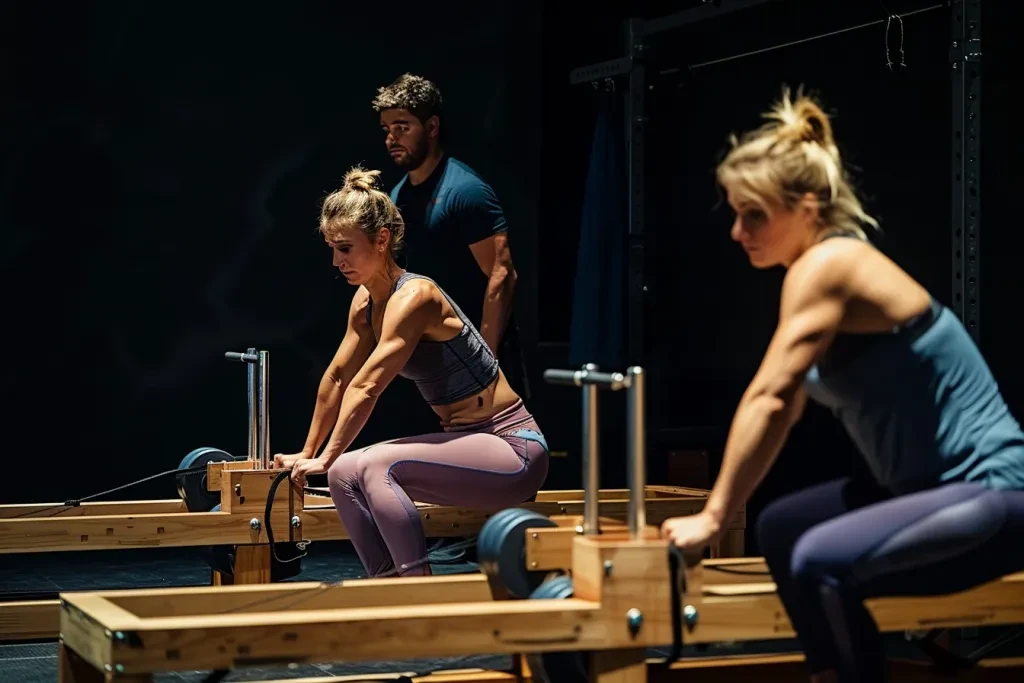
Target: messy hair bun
{"points": [[359, 178], [791, 156], [360, 204], [803, 120]]}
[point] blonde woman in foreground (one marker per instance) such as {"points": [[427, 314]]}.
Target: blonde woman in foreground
{"points": [[944, 509]]}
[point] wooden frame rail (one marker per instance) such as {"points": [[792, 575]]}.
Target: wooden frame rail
{"points": [[620, 607], [167, 523]]}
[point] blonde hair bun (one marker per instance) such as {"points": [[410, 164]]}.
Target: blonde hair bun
{"points": [[359, 203], [802, 120], [794, 154], [358, 178]]}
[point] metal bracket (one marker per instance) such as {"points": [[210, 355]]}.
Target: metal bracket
{"points": [[636, 123], [601, 70], [965, 62]]}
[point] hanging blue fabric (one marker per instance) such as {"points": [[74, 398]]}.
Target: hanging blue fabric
{"points": [[598, 330]]}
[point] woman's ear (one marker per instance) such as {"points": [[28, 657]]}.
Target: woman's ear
{"points": [[383, 239], [810, 207]]}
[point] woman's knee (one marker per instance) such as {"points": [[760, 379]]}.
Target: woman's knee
{"points": [[372, 466], [774, 528], [343, 474], [807, 562]]}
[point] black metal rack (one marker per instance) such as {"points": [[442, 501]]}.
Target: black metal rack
{"points": [[965, 66]]}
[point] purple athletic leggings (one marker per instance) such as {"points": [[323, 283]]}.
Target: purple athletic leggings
{"points": [[496, 463], [831, 546]]}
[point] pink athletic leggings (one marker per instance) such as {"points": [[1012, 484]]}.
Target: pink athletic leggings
{"points": [[500, 462]]}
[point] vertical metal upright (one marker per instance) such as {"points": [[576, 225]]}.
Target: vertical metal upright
{"points": [[636, 121], [591, 454], [965, 58], [254, 404], [263, 369]]}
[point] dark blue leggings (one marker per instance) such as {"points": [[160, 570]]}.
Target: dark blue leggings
{"points": [[830, 547]]}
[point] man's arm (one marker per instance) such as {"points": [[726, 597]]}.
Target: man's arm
{"points": [[406, 318], [484, 229], [495, 259], [350, 356], [814, 300]]}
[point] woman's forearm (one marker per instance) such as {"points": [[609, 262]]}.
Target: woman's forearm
{"points": [[759, 429], [325, 412], [356, 406]]}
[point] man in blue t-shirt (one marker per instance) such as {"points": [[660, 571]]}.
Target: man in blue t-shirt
{"points": [[455, 229]]}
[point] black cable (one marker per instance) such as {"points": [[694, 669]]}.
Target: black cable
{"points": [[727, 570], [301, 545], [73, 503]]}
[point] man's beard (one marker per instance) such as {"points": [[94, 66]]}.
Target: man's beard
{"points": [[413, 158]]}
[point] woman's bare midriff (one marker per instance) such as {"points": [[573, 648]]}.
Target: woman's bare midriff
{"points": [[482, 406]]}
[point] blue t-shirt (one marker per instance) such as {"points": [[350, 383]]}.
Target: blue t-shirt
{"points": [[446, 213]]}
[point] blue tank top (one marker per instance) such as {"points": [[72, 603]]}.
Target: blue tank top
{"points": [[448, 371], [921, 405]]}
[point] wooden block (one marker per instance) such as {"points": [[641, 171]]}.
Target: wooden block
{"points": [[552, 548], [71, 668], [215, 471], [251, 566], [246, 492]]}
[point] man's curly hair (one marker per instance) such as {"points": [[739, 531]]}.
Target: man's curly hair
{"points": [[416, 94]]}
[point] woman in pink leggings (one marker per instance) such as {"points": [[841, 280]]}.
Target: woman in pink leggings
{"points": [[491, 454]]}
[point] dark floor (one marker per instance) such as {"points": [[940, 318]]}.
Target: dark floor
{"points": [[41, 575]]}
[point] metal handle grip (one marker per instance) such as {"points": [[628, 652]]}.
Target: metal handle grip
{"points": [[578, 378], [244, 357], [562, 377]]}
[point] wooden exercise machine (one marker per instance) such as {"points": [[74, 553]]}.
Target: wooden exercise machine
{"points": [[626, 590], [223, 509]]}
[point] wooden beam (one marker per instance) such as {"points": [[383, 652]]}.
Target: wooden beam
{"points": [[302, 596], [732, 609], [790, 667], [128, 507], [29, 620], [454, 676], [113, 532], [41, 619], [155, 524]]}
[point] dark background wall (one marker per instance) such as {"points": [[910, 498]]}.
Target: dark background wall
{"points": [[162, 169]]}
